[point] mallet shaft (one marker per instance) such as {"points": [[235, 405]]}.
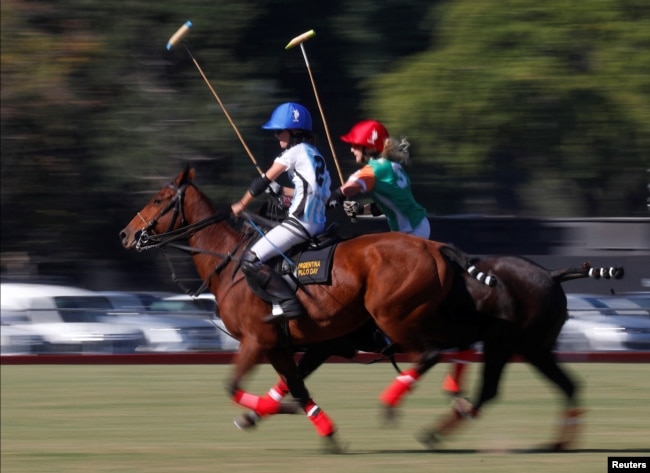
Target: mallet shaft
{"points": [[225, 112], [176, 37], [299, 40]]}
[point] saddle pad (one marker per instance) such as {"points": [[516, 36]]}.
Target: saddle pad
{"points": [[314, 266]]}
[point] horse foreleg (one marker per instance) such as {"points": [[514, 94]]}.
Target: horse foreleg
{"points": [[285, 365], [264, 406], [495, 359], [405, 382], [571, 422], [460, 412], [247, 357], [271, 403]]}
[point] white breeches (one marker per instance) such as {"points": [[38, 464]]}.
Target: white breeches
{"points": [[422, 230], [282, 237]]}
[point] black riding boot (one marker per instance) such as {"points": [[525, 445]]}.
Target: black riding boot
{"points": [[273, 288], [282, 296]]}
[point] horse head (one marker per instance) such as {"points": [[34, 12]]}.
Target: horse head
{"points": [[164, 214]]}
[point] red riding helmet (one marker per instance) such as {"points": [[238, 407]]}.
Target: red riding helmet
{"points": [[367, 133]]}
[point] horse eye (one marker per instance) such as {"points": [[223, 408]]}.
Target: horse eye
{"points": [[157, 201]]}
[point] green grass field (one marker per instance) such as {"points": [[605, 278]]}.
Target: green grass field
{"points": [[177, 418]]}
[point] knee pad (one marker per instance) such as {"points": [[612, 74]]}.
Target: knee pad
{"points": [[250, 263], [257, 274]]}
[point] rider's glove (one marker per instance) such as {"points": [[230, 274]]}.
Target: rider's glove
{"points": [[336, 199], [274, 188], [351, 208]]}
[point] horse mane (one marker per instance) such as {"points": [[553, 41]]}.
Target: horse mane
{"points": [[237, 225]]}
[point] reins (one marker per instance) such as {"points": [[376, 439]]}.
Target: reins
{"points": [[164, 239], [168, 239]]}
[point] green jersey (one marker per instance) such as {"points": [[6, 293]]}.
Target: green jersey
{"points": [[390, 188]]}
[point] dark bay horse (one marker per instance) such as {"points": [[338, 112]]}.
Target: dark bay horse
{"points": [[523, 314], [532, 307], [398, 280]]}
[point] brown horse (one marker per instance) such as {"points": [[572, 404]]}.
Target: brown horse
{"points": [[523, 315], [398, 280]]}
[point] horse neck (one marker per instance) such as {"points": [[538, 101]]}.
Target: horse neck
{"points": [[219, 238]]}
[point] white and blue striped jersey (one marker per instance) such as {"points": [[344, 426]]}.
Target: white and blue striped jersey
{"points": [[307, 170]]}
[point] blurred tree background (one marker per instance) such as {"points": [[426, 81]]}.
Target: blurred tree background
{"points": [[513, 107]]}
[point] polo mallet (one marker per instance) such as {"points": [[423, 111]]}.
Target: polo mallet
{"points": [[300, 39], [178, 36]]}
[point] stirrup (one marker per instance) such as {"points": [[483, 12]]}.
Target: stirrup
{"points": [[285, 310], [280, 317]]}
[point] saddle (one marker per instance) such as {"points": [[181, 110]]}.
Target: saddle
{"points": [[311, 262], [307, 263]]}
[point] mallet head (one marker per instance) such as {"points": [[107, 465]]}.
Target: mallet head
{"points": [[300, 39], [176, 37]]}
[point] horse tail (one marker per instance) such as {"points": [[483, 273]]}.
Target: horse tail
{"points": [[461, 259], [587, 271]]}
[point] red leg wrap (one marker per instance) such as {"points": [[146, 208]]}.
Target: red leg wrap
{"points": [[454, 380], [246, 399], [281, 387], [262, 406], [323, 424], [401, 385], [269, 404], [570, 428]]}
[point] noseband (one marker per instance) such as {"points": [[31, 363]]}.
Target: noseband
{"points": [[147, 238]]}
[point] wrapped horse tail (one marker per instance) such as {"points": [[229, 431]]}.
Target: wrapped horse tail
{"points": [[461, 259]]}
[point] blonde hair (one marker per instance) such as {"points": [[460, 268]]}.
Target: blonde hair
{"points": [[397, 151]]}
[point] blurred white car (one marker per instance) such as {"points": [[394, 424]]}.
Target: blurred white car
{"points": [[202, 306], [604, 323], [68, 319], [17, 340], [165, 331]]}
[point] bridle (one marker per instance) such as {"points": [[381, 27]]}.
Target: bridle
{"points": [[148, 239], [145, 238]]}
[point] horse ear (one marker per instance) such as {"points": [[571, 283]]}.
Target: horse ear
{"points": [[186, 175]]}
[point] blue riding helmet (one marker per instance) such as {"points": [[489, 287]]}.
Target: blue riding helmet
{"points": [[288, 116]]}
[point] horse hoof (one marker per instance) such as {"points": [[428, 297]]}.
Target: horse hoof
{"points": [[246, 421], [332, 446], [429, 438], [389, 415], [558, 447]]}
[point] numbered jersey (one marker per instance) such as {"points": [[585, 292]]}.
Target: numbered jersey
{"points": [[390, 188], [307, 170]]}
